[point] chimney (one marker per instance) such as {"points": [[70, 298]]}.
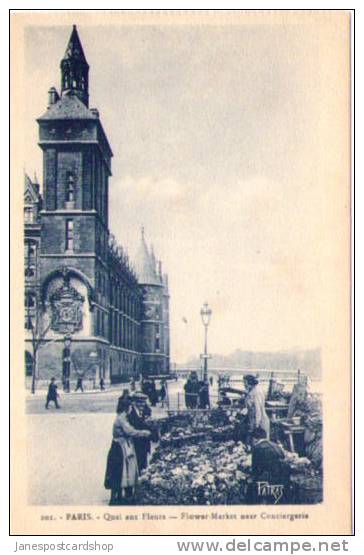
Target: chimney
{"points": [[53, 96]]}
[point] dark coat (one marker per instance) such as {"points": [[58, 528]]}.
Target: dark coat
{"points": [[141, 444], [114, 467], [52, 391], [162, 393], [203, 394], [268, 463], [191, 388]]}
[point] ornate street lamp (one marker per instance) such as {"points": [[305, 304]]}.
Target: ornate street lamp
{"points": [[205, 313]]}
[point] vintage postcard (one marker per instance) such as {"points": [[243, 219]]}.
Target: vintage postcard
{"points": [[180, 272]]}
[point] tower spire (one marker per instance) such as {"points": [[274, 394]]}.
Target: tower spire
{"points": [[74, 69]]}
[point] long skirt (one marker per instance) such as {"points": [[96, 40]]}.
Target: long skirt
{"points": [[121, 466], [114, 467]]}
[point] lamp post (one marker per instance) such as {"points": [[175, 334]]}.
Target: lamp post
{"points": [[66, 362], [205, 313], [94, 360]]}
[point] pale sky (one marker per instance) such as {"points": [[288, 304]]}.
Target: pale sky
{"points": [[218, 137]]}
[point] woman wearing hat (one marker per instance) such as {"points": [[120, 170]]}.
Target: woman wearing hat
{"points": [[255, 404], [122, 468]]}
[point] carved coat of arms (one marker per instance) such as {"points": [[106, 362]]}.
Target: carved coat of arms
{"points": [[66, 305]]}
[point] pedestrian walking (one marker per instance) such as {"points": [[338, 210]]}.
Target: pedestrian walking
{"points": [[102, 384], [52, 394], [79, 385]]}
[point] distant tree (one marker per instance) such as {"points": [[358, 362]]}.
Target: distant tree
{"points": [[38, 325]]}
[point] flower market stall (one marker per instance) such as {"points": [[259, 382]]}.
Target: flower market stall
{"points": [[200, 460], [206, 474]]}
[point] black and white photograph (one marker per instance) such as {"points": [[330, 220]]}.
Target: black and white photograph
{"points": [[184, 222]]}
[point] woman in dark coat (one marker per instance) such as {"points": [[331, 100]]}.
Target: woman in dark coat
{"points": [[122, 469]]}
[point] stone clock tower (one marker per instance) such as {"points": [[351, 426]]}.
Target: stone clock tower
{"points": [[96, 318], [74, 232]]}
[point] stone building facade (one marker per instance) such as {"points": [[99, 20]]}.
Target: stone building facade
{"points": [[91, 306]]}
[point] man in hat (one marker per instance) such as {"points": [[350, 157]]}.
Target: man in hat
{"points": [[136, 418], [52, 394]]}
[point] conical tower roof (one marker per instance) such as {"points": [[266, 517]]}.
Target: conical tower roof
{"points": [[74, 50], [144, 266]]}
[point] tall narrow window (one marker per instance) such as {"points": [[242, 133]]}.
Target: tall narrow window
{"points": [[97, 322], [70, 187], [157, 338], [69, 235], [30, 304]]}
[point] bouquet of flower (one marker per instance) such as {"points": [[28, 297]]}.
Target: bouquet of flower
{"points": [[189, 428]]}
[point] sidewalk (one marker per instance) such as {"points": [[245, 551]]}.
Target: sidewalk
{"points": [[109, 390]]}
